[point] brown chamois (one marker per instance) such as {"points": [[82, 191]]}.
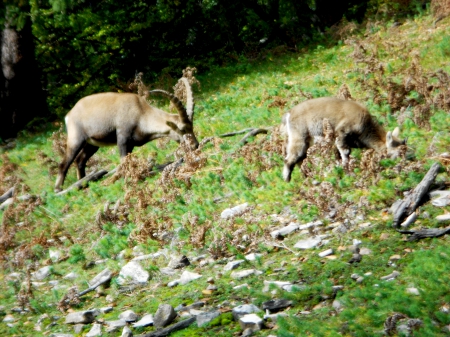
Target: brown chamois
{"points": [[125, 119], [353, 125]]}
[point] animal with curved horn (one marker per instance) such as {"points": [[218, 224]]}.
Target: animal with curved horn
{"points": [[124, 119]]}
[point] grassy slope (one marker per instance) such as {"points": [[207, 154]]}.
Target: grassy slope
{"points": [[231, 99]]}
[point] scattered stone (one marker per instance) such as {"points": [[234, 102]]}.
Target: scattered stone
{"points": [[54, 255], [413, 291], [233, 265], [95, 331], [101, 278], [280, 233], [235, 211], [78, 328], [113, 326], [57, 334], [251, 321], [174, 283], [395, 257], [42, 273], [391, 276], [106, 310], [244, 285], [126, 332], [194, 305], [133, 272], [71, 276], [308, 243], [365, 251], [128, 316], [8, 319], [359, 279], [274, 317], [212, 287], [287, 286], [164, 315], [187, 277], [326, 253], [252, 256], [247, 332], [244, 309], [237, 275], [205, 318], [276, 305], [337, 305], [174, 327], [443, 217], [147, 320], [179, 262], [78, 317]]}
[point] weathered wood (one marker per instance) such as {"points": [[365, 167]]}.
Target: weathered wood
{"points": [[8, 194], [413, 200], [252, 133], [416, 235], [9, 201], [174, 327], [94, 176]]}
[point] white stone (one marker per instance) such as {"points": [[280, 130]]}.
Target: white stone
{"points": [[365, 251], [413, 291], [144, 321], [71, 276], [54, 254], [244, 273], [251, 321], [235, 211], [134, 273], [233, 265], [103, 277], [8, 319], [187, 277], [443, 217], [243, 310], [148, 256], [126, 332], [391, 276], [310, 225], [326, 252], [252, 256], [128, 316], [95, 331], [173, 283], [113, 326], [42, 273], [245, 285], [292, 227], [308, 243], [80, 317], [280, 284]]}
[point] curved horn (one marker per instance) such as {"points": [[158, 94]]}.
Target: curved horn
{"points": [[178, 104], [189, 99]]}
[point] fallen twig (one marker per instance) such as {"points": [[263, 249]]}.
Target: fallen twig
{"points": [[416, 235], [84, 181], [8, 194], [174, 327]]}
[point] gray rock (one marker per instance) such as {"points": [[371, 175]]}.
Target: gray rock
{"points": [[103, 277], [252, 256], [287, 286], [235, 211], [413, 291], [244, 273], [128, 316], [42, 273], [126, 332], [71, 276], [95, 331], [251, 321], [205, 318], [233, 265], [279, 233], [308, 243], [391, 276], [113, 326], [326, 252], [147, 320], [54, 254], [178, 262], [240, 286], [8, 319], [77, 328], [337, 305], [244, 309], [173, 283], [187, 277], [133, 272], [78, 317], [276, 305], [164, 315], [106, 310]]}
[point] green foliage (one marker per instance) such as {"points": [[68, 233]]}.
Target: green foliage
{"points": [[77, 254]]}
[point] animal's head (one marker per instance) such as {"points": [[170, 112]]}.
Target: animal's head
{"points": [[394, 145], [185, 125]]}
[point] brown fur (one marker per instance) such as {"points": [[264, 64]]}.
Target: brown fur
{"points": [[124, 119], [353, 125]]}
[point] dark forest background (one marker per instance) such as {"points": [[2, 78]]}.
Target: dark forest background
{"points": [[54, 52]]}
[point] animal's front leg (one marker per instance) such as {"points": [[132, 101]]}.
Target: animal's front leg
{"points": [[343, 148]]}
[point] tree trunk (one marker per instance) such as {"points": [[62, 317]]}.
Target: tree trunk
{"points": [[21, 95]]}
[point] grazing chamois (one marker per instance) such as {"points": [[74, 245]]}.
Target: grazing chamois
{"points": [[354, 127], [124, 119]]}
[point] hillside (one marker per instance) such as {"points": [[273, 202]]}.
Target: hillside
{"points": [[399, 70]]}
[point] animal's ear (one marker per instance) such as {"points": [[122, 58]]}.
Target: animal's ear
{"points": [[174, 127], [396, 132], [389, 139]]}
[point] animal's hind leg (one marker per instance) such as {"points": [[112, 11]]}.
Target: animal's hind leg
{"points": [[72, 151], [87, 152], [296, 152], [343, 148]]}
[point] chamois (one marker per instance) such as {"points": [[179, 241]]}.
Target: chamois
{"points": [[125, 119], [353, 125]]}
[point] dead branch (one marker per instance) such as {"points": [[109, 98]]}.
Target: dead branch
{"points": [[8, 194], [252, 133], [416, 235], [94, 176], [174, 327], [408, 205]]}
